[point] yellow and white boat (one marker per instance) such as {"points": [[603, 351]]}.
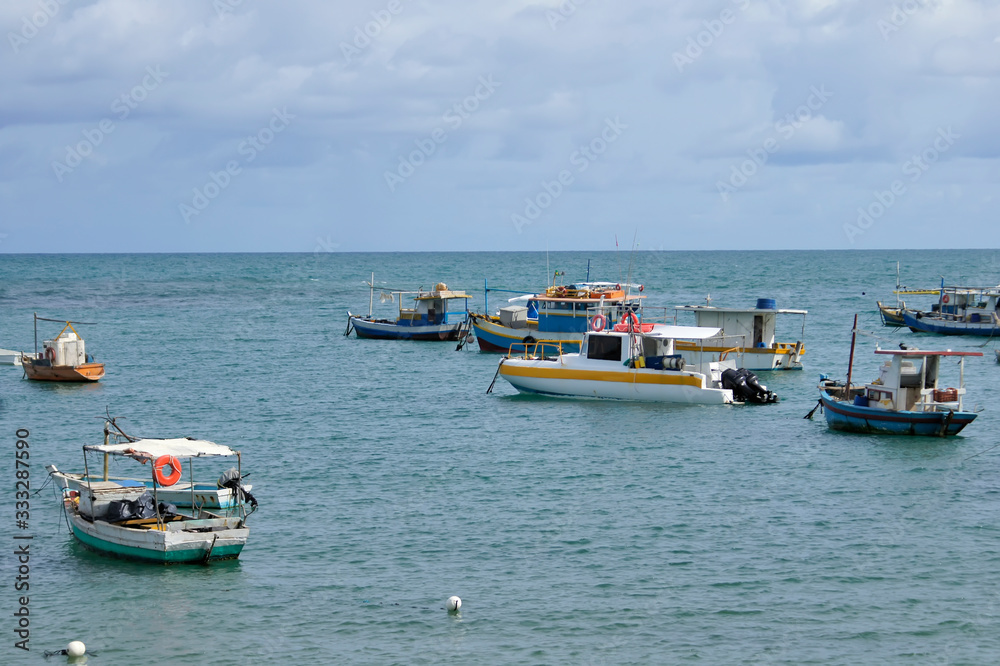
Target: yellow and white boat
{"points": [[631, 362], [749, 333]]}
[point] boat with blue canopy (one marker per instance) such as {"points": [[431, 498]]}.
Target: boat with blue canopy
{"points": [[558, 317]]}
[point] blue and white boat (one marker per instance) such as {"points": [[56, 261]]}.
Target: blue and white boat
{"points": [[959, 311], [433, 316], [969, 323], [558, 317], [906, 399]]}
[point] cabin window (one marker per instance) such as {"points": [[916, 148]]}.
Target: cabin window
{"points": [[605, 347]]}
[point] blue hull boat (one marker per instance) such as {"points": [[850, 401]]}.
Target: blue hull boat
{"points": [[849, 417], [432, 316], [905, 399], [947, 325]]}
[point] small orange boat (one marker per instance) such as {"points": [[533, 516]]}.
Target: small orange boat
{"points": [[63, 359]]}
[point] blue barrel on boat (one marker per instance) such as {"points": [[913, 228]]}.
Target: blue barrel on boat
{"points": [[861, 400], [975, 318], [766, 304]]}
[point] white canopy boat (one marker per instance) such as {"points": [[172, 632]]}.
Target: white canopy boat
{"points": [[634, 362], [133, 521]]}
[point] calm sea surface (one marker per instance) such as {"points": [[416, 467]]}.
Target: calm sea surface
{"points": [[576, 532]]}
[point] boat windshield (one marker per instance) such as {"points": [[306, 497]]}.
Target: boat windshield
{"points": [[604, 347]]}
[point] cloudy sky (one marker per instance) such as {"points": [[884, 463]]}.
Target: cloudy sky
{"points": [[244, 125]]}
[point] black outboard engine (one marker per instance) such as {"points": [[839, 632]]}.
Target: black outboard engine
{"points": [[231, 479], [746, 388]]}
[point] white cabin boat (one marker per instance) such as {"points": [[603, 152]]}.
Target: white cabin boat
{"points": [[630, 362], [747, 333]]}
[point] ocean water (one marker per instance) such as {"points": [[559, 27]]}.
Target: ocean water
{"points": [[576, 532]]}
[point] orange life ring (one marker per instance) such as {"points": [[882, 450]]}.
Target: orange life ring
{"points": [[640, 287], [175, 473], [945, 298], [598, 323], [50, 354], [633, 321]]}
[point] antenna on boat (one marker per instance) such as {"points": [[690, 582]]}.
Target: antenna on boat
{"points": [[618, 254], [113, 421]]}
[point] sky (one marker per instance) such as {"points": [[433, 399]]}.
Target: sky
{"points": [[411, 125]]}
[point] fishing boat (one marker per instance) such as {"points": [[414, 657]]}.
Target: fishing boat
{"points": [[983, 318], [633, 361], [136, 522], [432, 317], [893, 315], [557, 318], [905, 399], [63, 358], [959, 311], [748, 333]]}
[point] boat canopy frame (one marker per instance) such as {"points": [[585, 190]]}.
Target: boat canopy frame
{"points": [[146, 450]]}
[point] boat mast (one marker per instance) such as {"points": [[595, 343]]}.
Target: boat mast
{"points": [[897, 284], [36, 332], [850, 362], [371, 295], [107, 440]]}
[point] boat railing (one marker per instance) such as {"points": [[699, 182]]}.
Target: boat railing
{"points": [[537, 350], [933, 400], [724, 354]]}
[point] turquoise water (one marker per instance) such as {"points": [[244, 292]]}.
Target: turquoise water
{"points": [[576, 532]]}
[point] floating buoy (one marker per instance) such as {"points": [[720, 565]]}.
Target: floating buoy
{"points": [[454, 603], [76, 649]]}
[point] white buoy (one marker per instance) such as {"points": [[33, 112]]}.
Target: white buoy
{"points": [[454, 603], [76, 649]]}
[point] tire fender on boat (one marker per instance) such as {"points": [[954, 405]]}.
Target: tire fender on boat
{"points": [[175, 470]]}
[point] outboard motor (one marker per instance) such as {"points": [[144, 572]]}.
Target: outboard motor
{"points": [[746, 388], [231, 479]]}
